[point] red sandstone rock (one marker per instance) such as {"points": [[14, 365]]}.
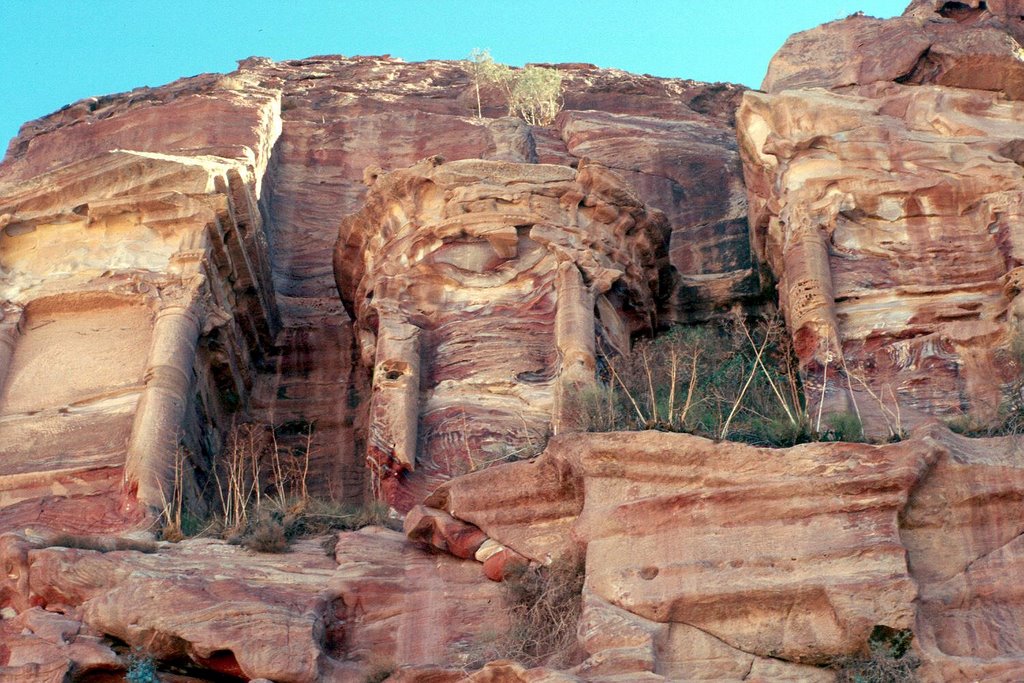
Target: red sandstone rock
{"points": [[499, 565], [279, 160], [295, 617], [44, 646], [704, 559], [886, 212], [933, 43], [479, 290], [439, 530], [690, 170]]}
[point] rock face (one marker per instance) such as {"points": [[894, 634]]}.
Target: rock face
{"points": [[718, 561], [887, 207], [161, 281], [299, 617], [449, 267], [114, 269], [122, 208], [955, 44]]}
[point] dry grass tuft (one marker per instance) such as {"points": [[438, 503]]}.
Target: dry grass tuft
{"points": [[888, 659], [544, 604]]}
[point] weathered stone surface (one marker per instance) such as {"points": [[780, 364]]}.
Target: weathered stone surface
{"points": [[963, 532], [296, 617], [710, 561], [890, 217], [115, 195], [126, 300], [961, 45], [478, 289], [37, 645], [690, 169]]}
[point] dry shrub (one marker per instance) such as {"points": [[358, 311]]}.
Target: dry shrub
{"points": [[267, 535], [724, 381], [101, 543], [379, 669], [888, 659], [262, 493], [544, 604]]}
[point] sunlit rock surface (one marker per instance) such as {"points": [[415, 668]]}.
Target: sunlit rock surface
{"points": [[226, 192], [482, 292], [303, 616], [166, 271], [706, 559], [889, 209]]}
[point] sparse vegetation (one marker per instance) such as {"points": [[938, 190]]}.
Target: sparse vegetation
{"points": [[380, 669], [1007, 419], [544, 605], [731, 381], [532, 93], [262, 494], [888, 659]]}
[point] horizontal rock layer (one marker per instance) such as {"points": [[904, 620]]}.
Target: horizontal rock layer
{"points": [[302, 616], [887, 206], [114, 194], [705, 559]]}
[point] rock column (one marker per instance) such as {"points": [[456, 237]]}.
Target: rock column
{"points": [[574, 338], [395, 406], [10, 319], [162, 408]]}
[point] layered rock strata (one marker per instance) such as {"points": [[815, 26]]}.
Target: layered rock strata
{"points": [[121, 186], [479, 291], [299, 617], [888, 207], [135, 301], [710, 561]]}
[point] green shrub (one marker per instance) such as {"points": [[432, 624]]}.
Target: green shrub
{"points": [[843, 427], [532, 93]]}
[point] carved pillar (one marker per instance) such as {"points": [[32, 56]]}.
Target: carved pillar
{"points": [[809, 302], [10, 321], [574, 339], [394, 408], [164, 402]]}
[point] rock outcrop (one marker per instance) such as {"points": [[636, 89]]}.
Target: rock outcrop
{"points": [[723, 561], [302, 616], [115, 206], [887, 205], [136, 300], [480, 290], [170, 267]]}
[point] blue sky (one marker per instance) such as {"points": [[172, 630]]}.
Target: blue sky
{"points": [[54, 52]]}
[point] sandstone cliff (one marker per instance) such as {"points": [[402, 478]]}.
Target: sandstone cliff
{"points": [[415, 296]]}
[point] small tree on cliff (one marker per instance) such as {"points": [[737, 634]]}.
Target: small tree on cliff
{"points": [[532, 93], [536, 95]]}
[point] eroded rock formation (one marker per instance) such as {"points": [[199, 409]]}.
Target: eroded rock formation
{"points": [[723, 561], [479, 290], [299, 617], [888, 207], [114, 269], [160, 280], [116, 194]]}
